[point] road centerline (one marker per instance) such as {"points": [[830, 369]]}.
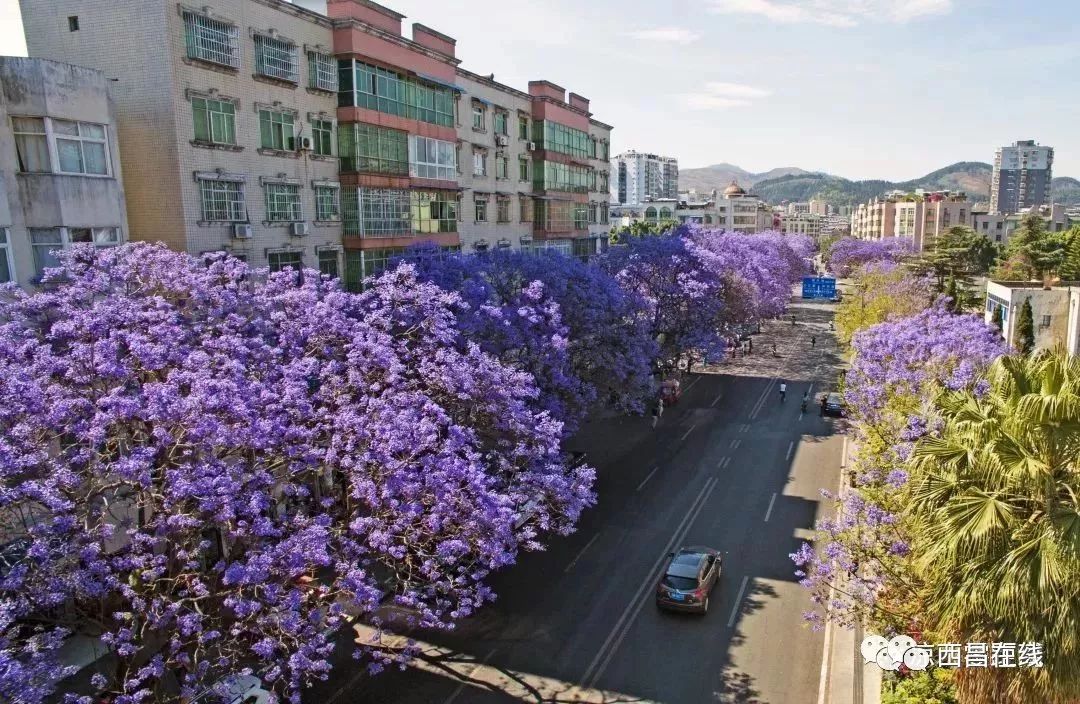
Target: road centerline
{"points": [[688, 431], [769, 511], [581, 552], [646, 479], [738, 601]]}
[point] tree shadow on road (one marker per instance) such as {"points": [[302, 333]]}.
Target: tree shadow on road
{"points": [[736, 688]]}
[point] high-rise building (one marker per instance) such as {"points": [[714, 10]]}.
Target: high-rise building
{"points": [[1022, 176], [60, 177], [920, 217], [641, 177], [314, 133]]}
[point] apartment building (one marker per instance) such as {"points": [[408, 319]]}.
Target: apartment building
{"points": [[920, 217], [1022, 177], [1055, 308], [998, 227], [638, 177], [60, 172], [734, 210], [314, 133], [806, 223]]}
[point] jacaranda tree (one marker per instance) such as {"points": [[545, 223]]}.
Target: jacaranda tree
{"points": [[207, 469], [848, 254], [600, 351]]}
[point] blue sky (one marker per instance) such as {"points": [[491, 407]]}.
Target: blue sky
{"points": [[860, 88]]}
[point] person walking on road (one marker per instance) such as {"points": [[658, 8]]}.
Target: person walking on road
{"points": [[824, 400], [657, 411], [783, 391], [813, 341], [793, 320], [774, 350], [750, 346]]}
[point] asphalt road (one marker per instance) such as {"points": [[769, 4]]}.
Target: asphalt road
{"points": [[729, 466]]}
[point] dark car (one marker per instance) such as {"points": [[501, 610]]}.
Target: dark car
{"points": [[837, 297], [688, 579], [834, 405]]}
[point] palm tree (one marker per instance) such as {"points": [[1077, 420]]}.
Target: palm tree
{"points": [[996, 501]]}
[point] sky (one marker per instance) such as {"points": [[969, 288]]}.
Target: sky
{"points": [[888, 89]]}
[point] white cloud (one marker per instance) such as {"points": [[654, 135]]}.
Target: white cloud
{"points": [[719, 95], [833, 13], [665, 34]]}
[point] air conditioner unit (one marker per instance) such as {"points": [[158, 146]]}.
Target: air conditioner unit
{"points": [[502, 140], [300, 229], [303, 144], [531, 146], [241, 231]]}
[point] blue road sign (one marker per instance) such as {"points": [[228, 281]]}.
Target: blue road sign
{"points": [[818, 287]]}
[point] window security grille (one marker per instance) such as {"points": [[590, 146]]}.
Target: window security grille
{"points": [[276, 58], [211, 40], [222, 201], [322, 71]]}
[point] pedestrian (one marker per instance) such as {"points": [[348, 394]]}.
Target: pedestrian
{"points": [[831, 326], [750, 345], [774, 350], [783, 391], [824, 399], [813, 341], [793, 320], [658, 408]]}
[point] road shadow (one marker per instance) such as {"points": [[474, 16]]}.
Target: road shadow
{"points": [[736, 687]]}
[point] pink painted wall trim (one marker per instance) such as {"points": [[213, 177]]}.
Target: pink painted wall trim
{"points": [[351, 9], [543, 110], [579, 102], [433, 40], [547, 88], [353, 41], [374, 117]]}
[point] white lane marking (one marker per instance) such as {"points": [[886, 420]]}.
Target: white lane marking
{"points": [[843, 459], [771, 502], [761, 399], [600, 661], [696, 380], [724, 461], [461, 687], [823, 683], [688, 431], [580, 553], [738, 600], [790, 447], [800, 415], [735, 443], [646, 479], [717, 399]]}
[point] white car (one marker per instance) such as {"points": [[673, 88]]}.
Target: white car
{"points": [[238, 689]]}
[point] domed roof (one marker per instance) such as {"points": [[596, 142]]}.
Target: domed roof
{"points": [[734, 190]]}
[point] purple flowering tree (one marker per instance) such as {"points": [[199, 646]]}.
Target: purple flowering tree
{"points": [[848, 254], [209, 471], [858, 571], [569, 324]]}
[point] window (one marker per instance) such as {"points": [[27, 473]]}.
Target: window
{"points": [[368, 148], [560, 138], [328, 263], [480, 212], [276, 58], [215, 120], [581, 216], [479, 163], [502, 167], [593, 214], [276, 130], [46, 241], [211, 40], [523, 127], [283, 203], [434, 211], [222, 201], [322, 137], [80, 147], [7, 270], [322, 71], [502, 210], [523, 169], [73, 23], [592, 147], [375, 212], [478, 117], [501, 122], [1045, 323], [326, 204], [432, 158], [525, 206], [31, 144], [557, 215], [281, 260], [554, 176], [365, 86]]}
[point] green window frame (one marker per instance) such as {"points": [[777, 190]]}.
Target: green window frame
{"points": [[329, 263], [375, 88], [215, 120], [327, 208], [523, 169], [501, 122], [322, 137], [365, 148], [279, 260], [523, 127], [277, 130], [433, 211], [556, 137]]}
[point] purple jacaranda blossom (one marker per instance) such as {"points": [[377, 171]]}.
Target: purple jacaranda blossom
{"points": [[846, 255], [221, 464]]}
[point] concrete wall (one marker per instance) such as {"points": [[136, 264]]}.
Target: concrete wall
{"points": [[1055, 303], [38, 88]]}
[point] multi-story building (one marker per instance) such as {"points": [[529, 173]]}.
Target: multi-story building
{"points": [[998, 227], [1055, 307], [314, 133], [637, 177], [801, 224], [734, 210], [920, 217], [60, 173], [1022, 176]]}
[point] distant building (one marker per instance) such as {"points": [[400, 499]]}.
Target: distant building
{"points": [[798, 208], [1055, 311], [997, 227], [637, 177], [733, 210], [920, 216], [1022, 175], [801, 224], [820, 208], [60, 178]]}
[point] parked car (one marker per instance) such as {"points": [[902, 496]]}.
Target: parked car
{"points": [[688, 579], [834, 405], [837, 297], [236, 689]]}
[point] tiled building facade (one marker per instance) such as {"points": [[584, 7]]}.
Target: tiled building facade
{"points": [[314, 133]]}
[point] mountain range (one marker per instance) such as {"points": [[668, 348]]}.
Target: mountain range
{"points": [[791, 183]]}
